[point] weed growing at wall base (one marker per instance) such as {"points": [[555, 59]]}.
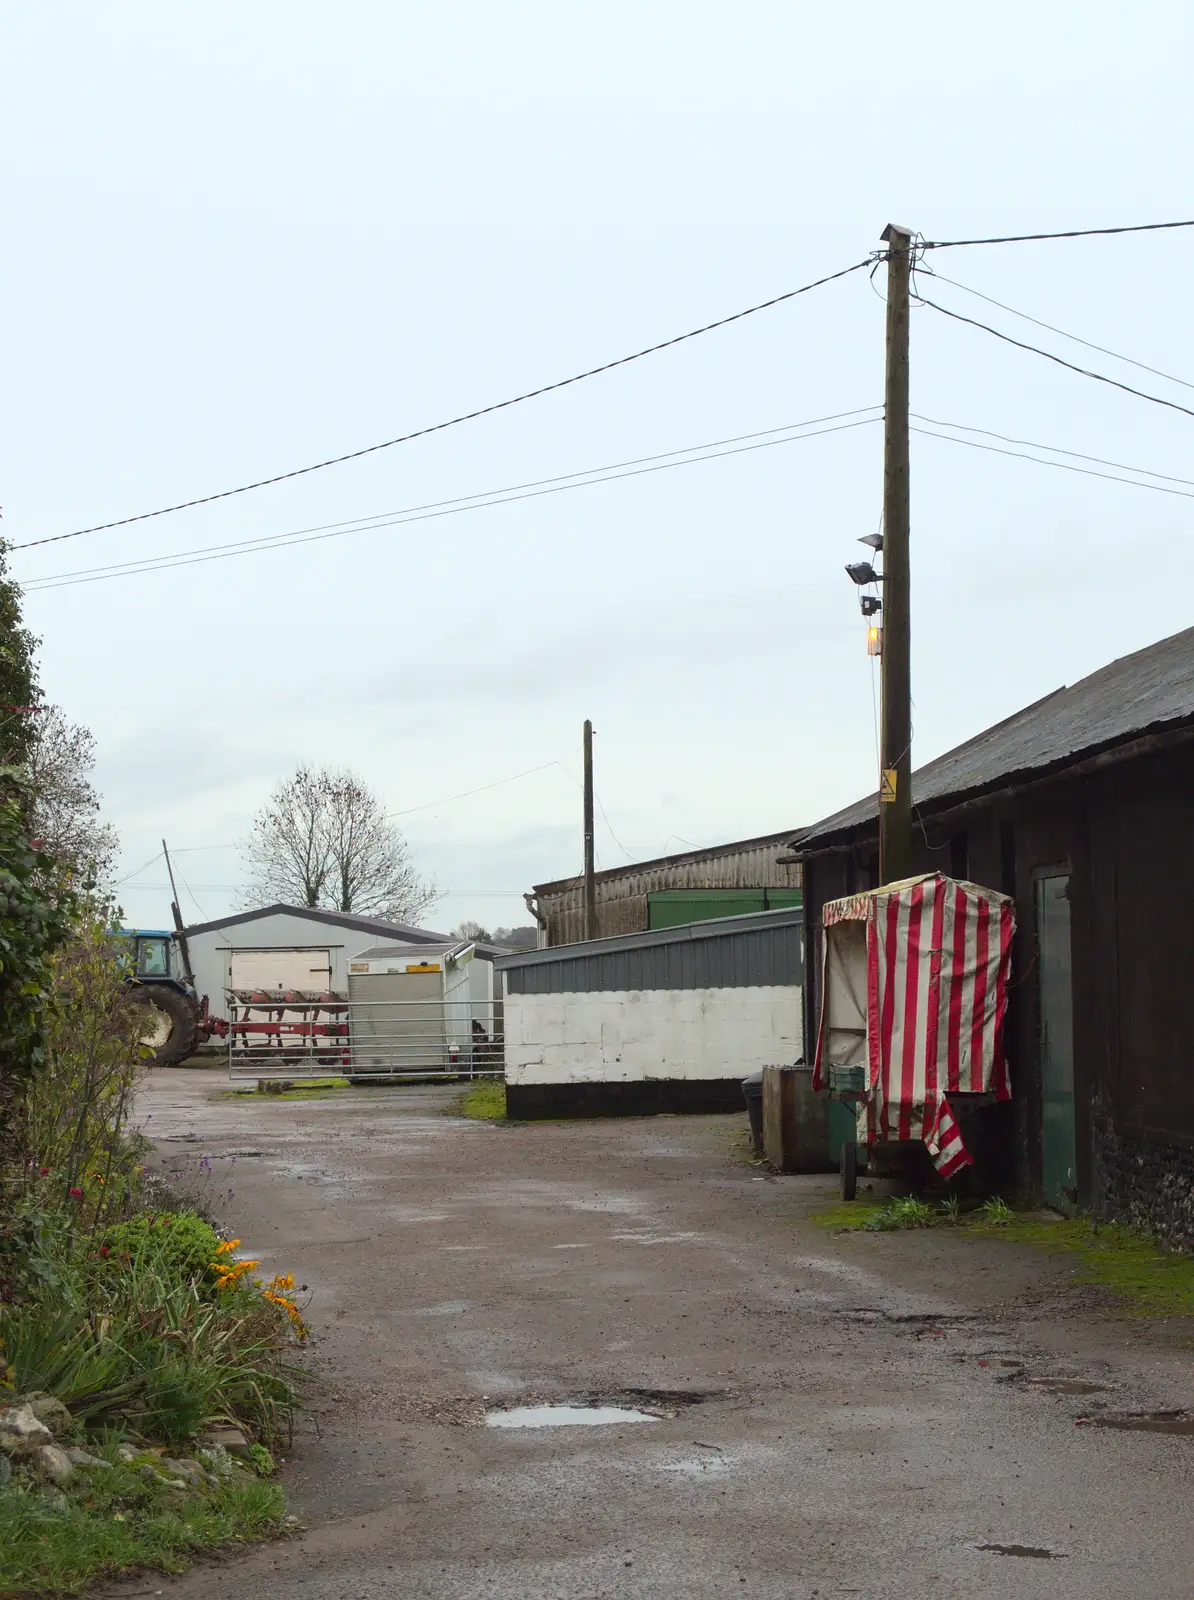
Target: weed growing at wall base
{"points": [[484, 1101]]}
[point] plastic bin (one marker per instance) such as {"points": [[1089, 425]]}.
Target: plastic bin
{"points": [[752, 1093]]}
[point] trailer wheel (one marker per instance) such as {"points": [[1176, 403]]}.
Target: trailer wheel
{"points": [[848, 1170], [169, 1035]]}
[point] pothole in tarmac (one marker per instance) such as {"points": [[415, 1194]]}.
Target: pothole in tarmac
{"points": [[567, 1417], [596, 1410]]}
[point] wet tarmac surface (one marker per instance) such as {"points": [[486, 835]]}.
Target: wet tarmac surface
{"points": [[884, 1416]]}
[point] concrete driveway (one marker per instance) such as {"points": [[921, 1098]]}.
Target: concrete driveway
{"points": [[878, 1416]]}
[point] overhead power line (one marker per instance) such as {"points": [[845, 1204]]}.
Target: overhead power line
{"points": [[144, 865], [1084, 372], [1101, 348], [465, 794], [1055, 449], [637, 467], [427, 805], [452, 422], [1071, 233], [1064, 466]]}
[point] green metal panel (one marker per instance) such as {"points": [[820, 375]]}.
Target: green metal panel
{"points": [[675, 908], [1059, 1145], [843, 1128]]}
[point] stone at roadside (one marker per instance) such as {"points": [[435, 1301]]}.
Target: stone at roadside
{"points": [[152, 1475], [216, 1459], [126, 1453], [21, 1432], [230, 1439], [84, 1458], [52, 1461], [52, 1412], [191, 1470]]}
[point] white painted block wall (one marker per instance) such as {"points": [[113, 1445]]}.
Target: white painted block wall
{"points": [[631, 1036]]}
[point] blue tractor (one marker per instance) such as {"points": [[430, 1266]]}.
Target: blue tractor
{"points": [[160, 980]]}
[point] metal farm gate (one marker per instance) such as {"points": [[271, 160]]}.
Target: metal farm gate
{"points": [[364, 1040]]}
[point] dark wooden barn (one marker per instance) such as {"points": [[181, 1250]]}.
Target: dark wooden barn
{"points": [[1081, 807]]}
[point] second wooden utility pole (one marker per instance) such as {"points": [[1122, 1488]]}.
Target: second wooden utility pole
{"points": [[590, 881], [895, 777]]}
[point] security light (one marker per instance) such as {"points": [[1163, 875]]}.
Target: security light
{"points": [[862, 572], [875, 540], [870, 604]]}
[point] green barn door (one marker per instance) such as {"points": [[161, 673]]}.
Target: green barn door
{"points": [[1054, 981]]}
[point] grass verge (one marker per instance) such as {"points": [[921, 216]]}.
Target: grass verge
{"points": [[113, 1521], [483, 1102], [1148, 1278]]}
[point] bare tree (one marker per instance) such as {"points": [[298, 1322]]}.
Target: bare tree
{"points": [[472, 930], [323, 839], [65, 806]]}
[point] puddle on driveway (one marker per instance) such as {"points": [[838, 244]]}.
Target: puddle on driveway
{"points": [[1033, 1552], [565, 1417], [1067, 1386], [1181, 1422]]}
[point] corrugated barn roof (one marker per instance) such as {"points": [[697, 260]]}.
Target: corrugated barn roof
{"points": [[1150, 691]]}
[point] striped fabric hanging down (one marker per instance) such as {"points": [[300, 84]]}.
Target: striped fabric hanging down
{"points": [[938, 958]]}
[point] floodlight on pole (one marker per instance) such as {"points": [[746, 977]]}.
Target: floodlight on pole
{"points": [[861, 572], [874, 540]]}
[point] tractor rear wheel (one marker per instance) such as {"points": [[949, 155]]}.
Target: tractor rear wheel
{"points": [[169, 1035]]}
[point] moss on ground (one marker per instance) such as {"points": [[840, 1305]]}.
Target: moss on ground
{"points": [[483, 1102], [306, 1089], [1150, 1279], [114, 1521]]}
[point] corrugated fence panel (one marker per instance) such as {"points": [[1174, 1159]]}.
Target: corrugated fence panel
{"points": [[764, 950]]}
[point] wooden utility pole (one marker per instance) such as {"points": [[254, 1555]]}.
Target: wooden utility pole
{"points": [[178, 922], [895, 777], [590, 884]]}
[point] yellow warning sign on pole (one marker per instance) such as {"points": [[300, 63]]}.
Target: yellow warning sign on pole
{"points": [[887, 786]]}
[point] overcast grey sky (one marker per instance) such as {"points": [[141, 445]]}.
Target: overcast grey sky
{"points": [[244, 237]]}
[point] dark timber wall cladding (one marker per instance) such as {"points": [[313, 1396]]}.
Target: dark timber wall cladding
{"points": [[761, 950], [1125, 835]]}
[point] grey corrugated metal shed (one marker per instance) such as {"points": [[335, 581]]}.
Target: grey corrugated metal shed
{"points": [[1148, 692], [429, 951], [397, 931], [761, 949]]}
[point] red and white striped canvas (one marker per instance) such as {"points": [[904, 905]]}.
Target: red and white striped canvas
{"points": [[938, 957]]}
